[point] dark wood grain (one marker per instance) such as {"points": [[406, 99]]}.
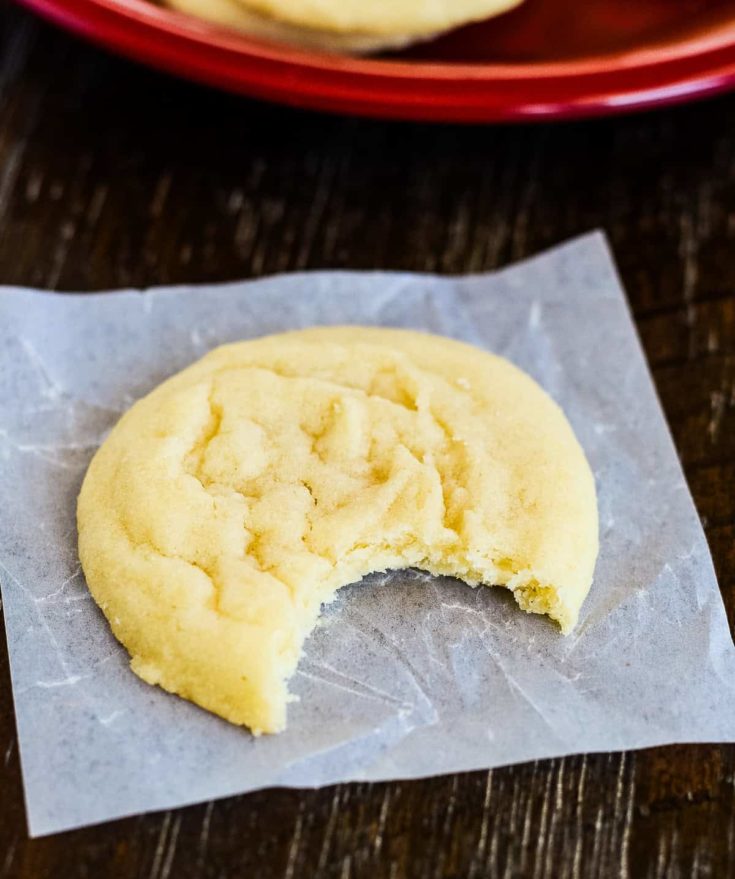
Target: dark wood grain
{"points": [[111, 175]]}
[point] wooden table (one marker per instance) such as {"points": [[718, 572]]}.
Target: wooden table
{"points": [[111, 176]]}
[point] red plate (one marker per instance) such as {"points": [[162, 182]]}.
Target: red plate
{"points": [[548, 58]]}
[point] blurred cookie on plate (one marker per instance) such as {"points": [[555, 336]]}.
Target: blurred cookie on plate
{"points": [[347, 26]]}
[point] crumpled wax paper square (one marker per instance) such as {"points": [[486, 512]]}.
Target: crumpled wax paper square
{"points": [[408, 675]]}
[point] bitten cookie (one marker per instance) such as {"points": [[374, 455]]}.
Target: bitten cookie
{"points": [[227, 506]]}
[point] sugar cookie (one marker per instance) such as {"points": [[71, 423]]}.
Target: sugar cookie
{"points": [[227, 506]]}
